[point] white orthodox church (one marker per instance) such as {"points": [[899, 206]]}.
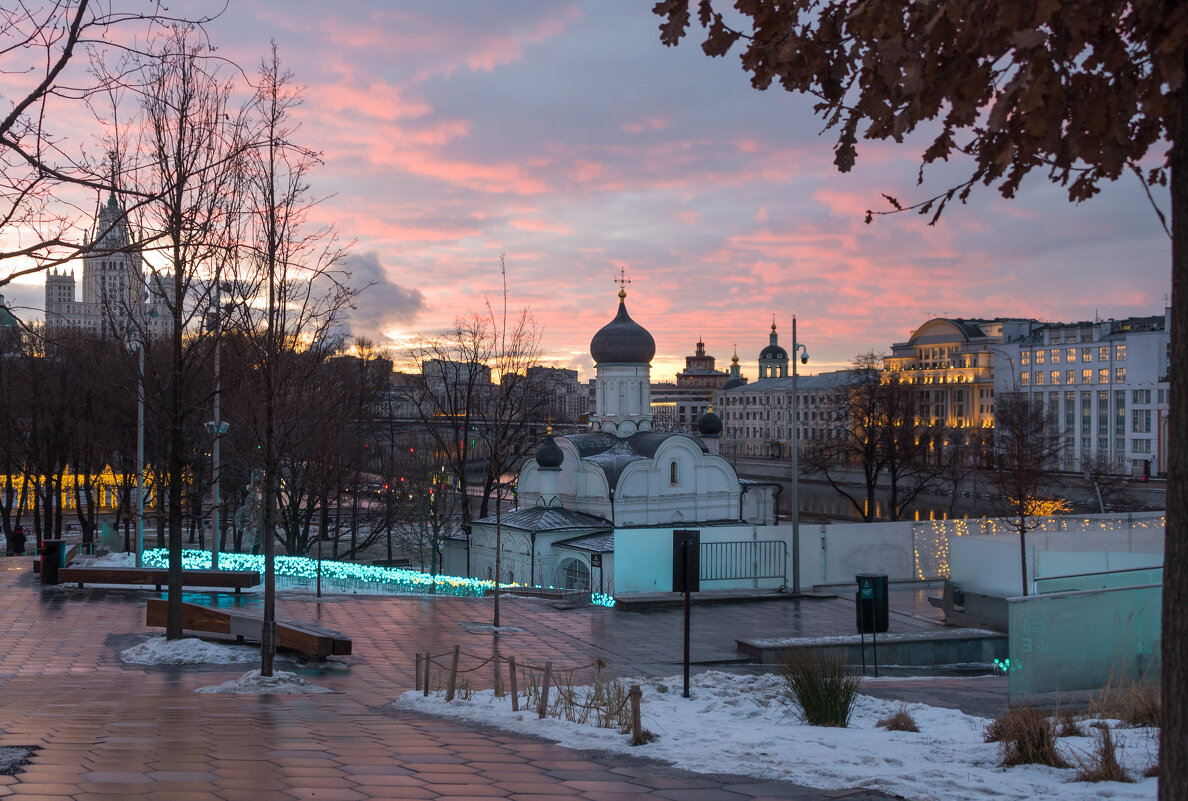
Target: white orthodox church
{"points": [[582, 490]]}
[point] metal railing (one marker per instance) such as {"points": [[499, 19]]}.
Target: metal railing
{"points": [[744, 560]]}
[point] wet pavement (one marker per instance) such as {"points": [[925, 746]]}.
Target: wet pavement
{"points": [[105, 730]]}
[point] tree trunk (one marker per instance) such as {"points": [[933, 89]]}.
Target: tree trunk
{"points": [[1173, 735]]}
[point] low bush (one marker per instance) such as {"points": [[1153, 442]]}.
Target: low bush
{"points": [[820, 688], [1025, 737]]}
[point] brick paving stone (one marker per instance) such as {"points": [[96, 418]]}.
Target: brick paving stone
{"points": [[116, 731]]}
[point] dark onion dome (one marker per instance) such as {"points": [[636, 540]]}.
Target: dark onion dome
{"points": [[709, 424], [734, 382], [622, 340], [773, 352], [549, 455]]}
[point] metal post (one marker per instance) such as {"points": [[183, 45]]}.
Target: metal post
{"points": [[140, 457], [795, 469], [216, 517]]}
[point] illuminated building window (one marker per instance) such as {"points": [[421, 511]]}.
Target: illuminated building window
{"points": [[1055, 355], [1086, 376]]}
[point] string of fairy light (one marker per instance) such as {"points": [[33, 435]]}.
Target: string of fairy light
{"points": [[931, 538], [390, 580]]}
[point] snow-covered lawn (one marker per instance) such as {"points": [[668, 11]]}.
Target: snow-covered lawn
{"points": [[736, 724]]}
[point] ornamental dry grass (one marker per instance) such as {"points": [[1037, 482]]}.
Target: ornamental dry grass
{"points": [[1135, 703], [900, 721], [1102, 765], [1025, 737], [820, 687]]}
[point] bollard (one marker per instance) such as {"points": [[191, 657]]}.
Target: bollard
{"points": [[636, 695], [543, 708], [428, 661], [515, 692], [418, 671], [453, 675]]}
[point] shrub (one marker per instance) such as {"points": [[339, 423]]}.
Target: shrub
{"points": [[1103, 765], [820, 687], [1025, 737], [900, 721]]}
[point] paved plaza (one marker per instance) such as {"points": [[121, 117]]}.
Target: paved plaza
{"points": [[102, 729]]}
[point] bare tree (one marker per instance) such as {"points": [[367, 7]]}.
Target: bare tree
{"points": [[1026, 446], [452, 386], [45, 178], [190, 144], [515, 405], [293, 293]]}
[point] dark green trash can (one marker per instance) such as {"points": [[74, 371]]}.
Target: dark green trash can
{"points": [[873, 612], [53, 556]]}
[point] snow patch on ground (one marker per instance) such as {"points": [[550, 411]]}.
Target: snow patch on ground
{"points": [[188, 651], [279, 683], [12, 758], [738, 724]]}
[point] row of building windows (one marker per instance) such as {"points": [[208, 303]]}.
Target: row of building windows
{"points": [[1053, 377], [1071, 355]]}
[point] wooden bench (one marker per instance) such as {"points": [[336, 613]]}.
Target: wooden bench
{"points": [[304, 638], [158, 577]]}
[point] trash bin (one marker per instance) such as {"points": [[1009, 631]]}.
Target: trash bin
{"points": [[871, 598], [53, 556]]}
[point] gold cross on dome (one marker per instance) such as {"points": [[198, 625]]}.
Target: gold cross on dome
{"points": [[622, 281]]}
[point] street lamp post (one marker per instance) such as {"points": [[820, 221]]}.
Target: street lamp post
{"points": [[798, 352], [138, 348], [217, 429]]}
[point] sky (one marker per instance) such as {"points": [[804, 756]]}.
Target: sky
{"points": [[565, 136]]}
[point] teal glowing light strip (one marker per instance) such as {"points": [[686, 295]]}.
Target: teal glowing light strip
{"points": [[394, 579]]}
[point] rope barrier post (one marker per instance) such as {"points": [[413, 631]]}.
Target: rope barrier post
{"points": [[453, 674], [498, 686], [428, 661], [544, 691], [636, 728], [418, 671], [515, 692]]}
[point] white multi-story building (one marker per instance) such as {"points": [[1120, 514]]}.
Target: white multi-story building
{"points": [[1106, 385], [115, 291], [757, 418]]}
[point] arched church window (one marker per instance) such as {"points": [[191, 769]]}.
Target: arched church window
{"points": [[674, 475], [575, 575]]}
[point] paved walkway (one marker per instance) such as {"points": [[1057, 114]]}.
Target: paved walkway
{"points": [[106, 730]]}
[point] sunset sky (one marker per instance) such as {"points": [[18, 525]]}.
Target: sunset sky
{"points": [[566, 136]]}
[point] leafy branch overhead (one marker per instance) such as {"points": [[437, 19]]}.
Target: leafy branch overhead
{"points": [[1082, 91]]}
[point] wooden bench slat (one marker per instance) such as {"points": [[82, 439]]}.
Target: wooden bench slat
{"points": [[158, 576]]}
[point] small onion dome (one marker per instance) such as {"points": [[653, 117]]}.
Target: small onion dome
{"points": [[709, 424], [732, 383], [622, 340], [549, 455]]}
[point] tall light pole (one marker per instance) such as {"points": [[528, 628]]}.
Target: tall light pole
{"points": [[137, 347], [217, 429], [798, 352]]}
